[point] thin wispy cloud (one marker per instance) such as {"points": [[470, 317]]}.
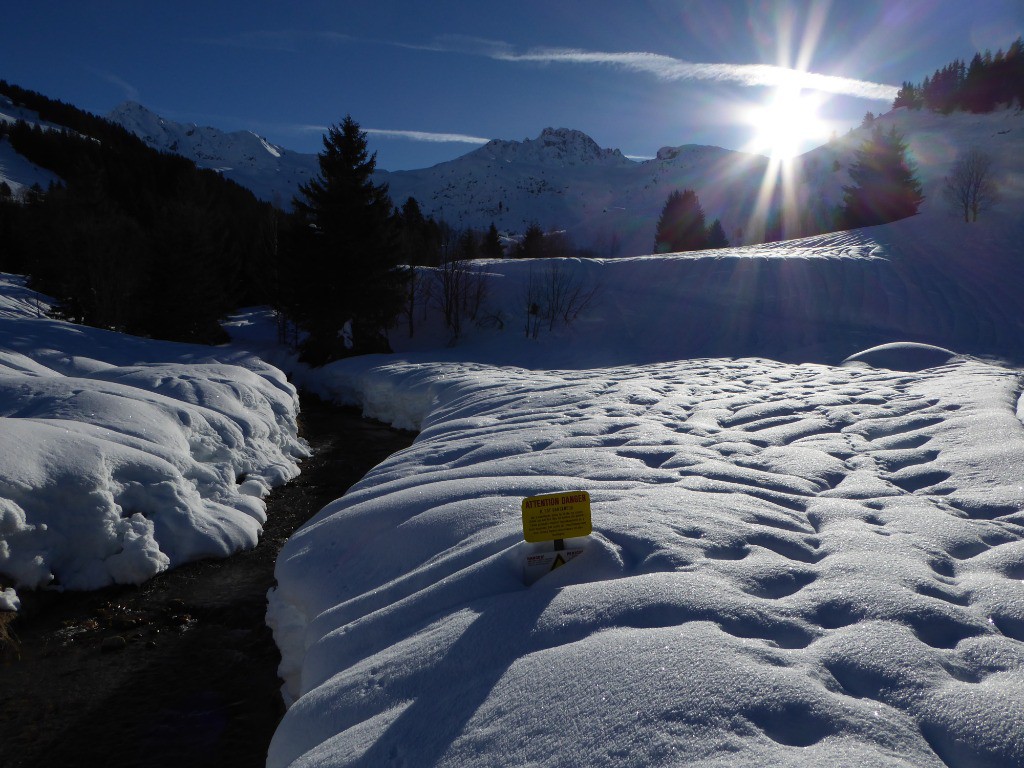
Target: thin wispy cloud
{"points": [[383, 133], [440, 138], [287, 40], [668, 68], [671, 69], [129, 91]]}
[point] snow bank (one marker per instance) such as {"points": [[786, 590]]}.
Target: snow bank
{"points": [[790, 565], [113, 470]]}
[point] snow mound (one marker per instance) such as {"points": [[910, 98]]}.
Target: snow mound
{"points": [[791, 565], [903, 356], [112, 471]]}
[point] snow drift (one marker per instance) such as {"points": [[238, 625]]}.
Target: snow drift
{"points": [[791, 565], [121, 457]]}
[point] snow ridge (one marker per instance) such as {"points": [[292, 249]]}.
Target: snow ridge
{"points": [[560, 147]]}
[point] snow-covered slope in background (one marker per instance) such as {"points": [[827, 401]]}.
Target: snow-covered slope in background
{"points": [[17, 172], [121, 457], [601, 199], [273, 173]]}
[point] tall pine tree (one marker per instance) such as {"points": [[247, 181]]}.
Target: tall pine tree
{"points": [[681, 226], [884, 185], [348, 287]]}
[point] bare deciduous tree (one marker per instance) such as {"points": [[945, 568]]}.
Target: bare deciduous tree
{"points": [[462, 290], [552, 293], [970, 186]]}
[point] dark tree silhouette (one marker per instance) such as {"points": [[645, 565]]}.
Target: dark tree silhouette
{"points": [[681, 226], [716, 236], [908, 95], [988, 82], [350, 288], [419, 237], [491, 247], [531, 246], [970, 186], [884, 185]]}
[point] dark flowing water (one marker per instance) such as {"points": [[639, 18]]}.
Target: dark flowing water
{"points": [[181, 671]]}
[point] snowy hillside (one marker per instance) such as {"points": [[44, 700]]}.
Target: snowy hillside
{"points": [[271, 172], [121, 457], [795, 563], [792, 565], [15, 171]]}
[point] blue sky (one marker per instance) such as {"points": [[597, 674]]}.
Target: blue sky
{"points": [[634, 76]]}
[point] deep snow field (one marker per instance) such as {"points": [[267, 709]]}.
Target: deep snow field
{"points": [[791, 565], [801, 555]]}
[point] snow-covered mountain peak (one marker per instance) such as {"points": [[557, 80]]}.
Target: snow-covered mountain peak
{"points": [[554, 146], [272, 172], [215, 145]]}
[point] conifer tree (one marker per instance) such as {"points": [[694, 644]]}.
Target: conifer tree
{"points": [[681, 226], [716, 236], [419, 237], [884, 186], [532, 244], [491, 247], [350, 287]]}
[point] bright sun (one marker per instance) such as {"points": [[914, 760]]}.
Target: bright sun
{"points": [[785, 124]]}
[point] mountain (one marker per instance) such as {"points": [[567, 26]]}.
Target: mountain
{"points": [[560, 180], [273, 173], [563, 180]]}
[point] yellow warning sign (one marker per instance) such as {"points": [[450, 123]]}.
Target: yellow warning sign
{"points": [[556, 516]]}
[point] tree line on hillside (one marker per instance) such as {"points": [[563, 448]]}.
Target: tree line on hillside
{"points": [[132, 239], [987, 82]]}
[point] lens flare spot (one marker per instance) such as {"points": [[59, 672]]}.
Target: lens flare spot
{"points": [[786, 125]]}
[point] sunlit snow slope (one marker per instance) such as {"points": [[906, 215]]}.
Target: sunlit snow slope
{"points": [[791, 565]]}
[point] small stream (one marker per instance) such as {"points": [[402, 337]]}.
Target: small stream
{"points": [[182, 670]]}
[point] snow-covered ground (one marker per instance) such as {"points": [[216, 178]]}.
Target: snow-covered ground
{"points": [[121, 457], [793, 563]]}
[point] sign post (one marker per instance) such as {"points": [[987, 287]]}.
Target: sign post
{"points": [[554, 517]]}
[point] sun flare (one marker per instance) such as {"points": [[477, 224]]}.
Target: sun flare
{"points": [[786, 124]]}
